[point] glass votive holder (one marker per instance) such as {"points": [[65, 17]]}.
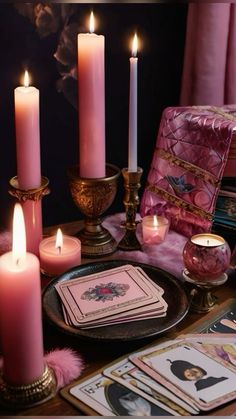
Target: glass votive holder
{"points": [[58, 254], [155, 229], [206, 256]]}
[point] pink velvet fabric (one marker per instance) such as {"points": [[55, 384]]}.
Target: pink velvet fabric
{"points": [[209, 72], [188, 163], [166, 255]]}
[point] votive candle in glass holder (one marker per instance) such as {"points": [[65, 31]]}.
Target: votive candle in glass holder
{"points": [[155, 229], [59, 253], [206, 256]]}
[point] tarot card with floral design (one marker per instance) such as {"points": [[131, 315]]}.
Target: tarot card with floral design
{"points": [[112, 292]]}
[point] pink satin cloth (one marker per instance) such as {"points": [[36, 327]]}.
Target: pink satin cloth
{"points": [[166, 255], [191, 152], [209, 70]]}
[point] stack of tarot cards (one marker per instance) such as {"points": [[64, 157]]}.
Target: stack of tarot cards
{"points": [[181, 377], [114, 296]]}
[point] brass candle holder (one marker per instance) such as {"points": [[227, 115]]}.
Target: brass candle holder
{"points": [[23, 396], [29, 194], [93, 197], [202, 299], [131, 202]]}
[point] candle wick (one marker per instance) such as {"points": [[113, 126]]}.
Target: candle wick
{"points": [[208, 242], [17, 261], [59, 249]]}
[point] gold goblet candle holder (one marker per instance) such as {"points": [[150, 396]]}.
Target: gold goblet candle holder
{"points": [[23, 396], [93, 197], [131, 202], [31, 204]]}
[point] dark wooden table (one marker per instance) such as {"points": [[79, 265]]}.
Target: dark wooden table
{"points": [[98, 355]]}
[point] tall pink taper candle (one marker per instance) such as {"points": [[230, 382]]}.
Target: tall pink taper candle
{"points": [[27, 135], [28, 158], [91, 93], [133, 104], [20, 310]]}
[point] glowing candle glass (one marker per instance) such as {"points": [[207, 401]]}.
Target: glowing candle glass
{"points": [[206, 256], [58, 254], [155, 229]]}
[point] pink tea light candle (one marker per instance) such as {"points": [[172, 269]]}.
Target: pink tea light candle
{"points": [[155, 228], [91, 94], [59, 253], [20, 310]]}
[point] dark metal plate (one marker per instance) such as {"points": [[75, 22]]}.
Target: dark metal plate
{"points": [[174, 295]]}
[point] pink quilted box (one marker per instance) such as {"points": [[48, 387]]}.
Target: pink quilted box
{"points": [[191, 153]]}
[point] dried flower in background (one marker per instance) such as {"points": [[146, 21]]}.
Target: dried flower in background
{"points": [[51, 18]]}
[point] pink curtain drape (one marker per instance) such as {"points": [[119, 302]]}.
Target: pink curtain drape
{"points": [[209, 71]]}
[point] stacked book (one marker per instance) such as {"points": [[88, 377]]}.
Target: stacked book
{"points": [[118, 295]]}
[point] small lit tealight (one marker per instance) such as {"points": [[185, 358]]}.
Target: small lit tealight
{"points": [[59, 254], [155, 229]]}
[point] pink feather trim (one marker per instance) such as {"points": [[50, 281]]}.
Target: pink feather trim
{"points": [[66, 364]]}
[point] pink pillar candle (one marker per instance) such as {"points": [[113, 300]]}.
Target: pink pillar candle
{"points": [[91, 94], [20, 313], [33, 224], [133, 104], [27, 136], [58, 258], [155, 229]]}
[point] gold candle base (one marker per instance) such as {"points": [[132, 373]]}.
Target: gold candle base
{"points": [[131, 202], [93, 197], [28, 395], [29, 194], [202, 298]]}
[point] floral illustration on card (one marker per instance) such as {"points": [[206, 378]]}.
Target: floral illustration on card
{"points": [[105, 292]]}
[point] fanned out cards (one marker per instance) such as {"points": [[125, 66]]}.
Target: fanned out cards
{"points": [[117, 295], [181, 377]]}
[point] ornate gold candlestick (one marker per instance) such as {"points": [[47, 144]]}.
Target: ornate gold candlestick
{"points": [[93, 197], [131, 202], [28, 395]]}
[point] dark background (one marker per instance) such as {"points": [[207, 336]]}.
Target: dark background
{"points": [[160, 27]]}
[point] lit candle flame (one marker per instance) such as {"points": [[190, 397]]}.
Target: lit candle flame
{"points": [[91, 23], [135, 45], [26, 79], [59, 240], [19, 235], [155, 221]]}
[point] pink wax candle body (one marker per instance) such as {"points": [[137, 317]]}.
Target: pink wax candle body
{"points": [[27, 136], [133, 104], [20, 315], [91, 94], [28, 158], [155, 229], [56, 259]]}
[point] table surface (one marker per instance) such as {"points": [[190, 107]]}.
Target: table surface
{"points": [[97, 356]]}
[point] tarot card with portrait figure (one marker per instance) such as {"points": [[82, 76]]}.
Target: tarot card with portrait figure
{"points": [[101, 395], [201, 379]]}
